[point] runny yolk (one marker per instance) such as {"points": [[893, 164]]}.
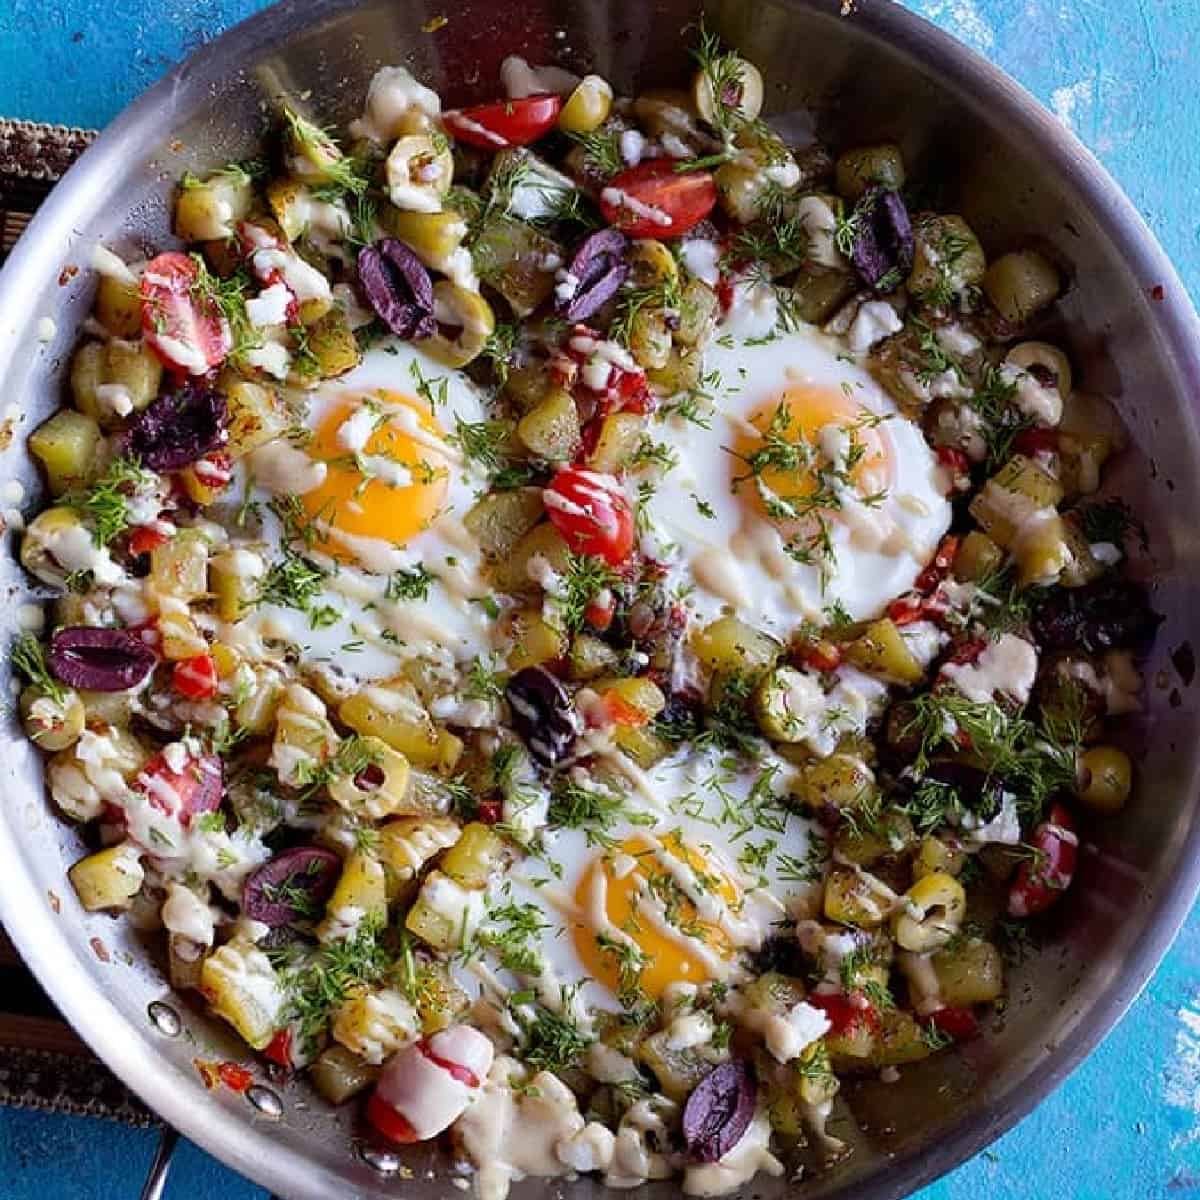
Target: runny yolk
{"points": [[390, 487], [639, 904], [788, 456]]}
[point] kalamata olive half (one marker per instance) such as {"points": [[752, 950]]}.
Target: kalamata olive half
{"points": [[293, 886], [102, 660], [542, 714], [178, 428], [718, 1111], [1107, 615], [883, 240], [594, 275], [397, 286]]}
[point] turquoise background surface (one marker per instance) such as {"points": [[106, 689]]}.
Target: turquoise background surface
{"points": [[1123, 75]]}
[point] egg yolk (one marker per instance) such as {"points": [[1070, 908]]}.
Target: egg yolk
{"points": [[638, 903], [389, 486], [790, 458]]}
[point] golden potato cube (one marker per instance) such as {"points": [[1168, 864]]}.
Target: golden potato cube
{"points": [[512, 573], [118, 306], [209, 210], [500, 519], [550, 430], [535, 641], [620, 435], [473, 857], [67, 446], [853, 898], [880, 650], [404, 725], [256, 416], [730, 645], [970, 973], [108, 879]]}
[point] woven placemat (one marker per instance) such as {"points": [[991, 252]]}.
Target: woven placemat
{"points": [[43, 1064]]}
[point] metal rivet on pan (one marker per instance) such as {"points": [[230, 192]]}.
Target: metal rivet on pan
{"points": [[265, 1100], [164, 1018], [383, 1161]]}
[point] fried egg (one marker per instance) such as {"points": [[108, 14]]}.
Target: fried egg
{"points": [[803, 488], [695, 862], [378, 489]]}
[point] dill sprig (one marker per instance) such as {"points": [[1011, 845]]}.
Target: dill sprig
{"points": [[500, 349], [1111, 521], [353, 755], [409, 583], [509, 932], [294, 582], [551, 1041], [729, 723], [106, 503], [665, 295], [583, 579], [601, 150], [1002, 420], [228, 297], [595, 808], [337, 168], [28, 656], [722, 69]]}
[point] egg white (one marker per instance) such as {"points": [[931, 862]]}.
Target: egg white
{"points": [[719, 545]]}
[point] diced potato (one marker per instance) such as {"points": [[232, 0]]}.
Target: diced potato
{"points": [[550, 430], [650, 338], [406, 844], [374, 1024], [512, 257], [782, 703], [527, 384], [620, 435], [118, 306], [112, 379], [259, 701], [312, 153], [500, 519], [730, 645], [651, 263], [678, 1071], [892, 834], [380, 789], [535, 641], [288, 200], [841, 781], [899, 1039], [1042, 552], [108, 879], [208, 210], [179, 567], [512, 573], [233, 582], [818, 294], [181, 636], [256, 416], [441, 913], [591, 657], [774, 993], [440, 1001], [1021, 284], [634, 700], [977, 557], [67, 445], [185, 962], [338, 1075], [360, 894], [865, 167], [472, 859], [698, 311], [1082, 566], [403, 724], [304, 737], [880, 650], [1020, 488], [969, 973], [332, 346], [854, 898], [681, 373], [642, 744], [241, 986], [947, 260]]}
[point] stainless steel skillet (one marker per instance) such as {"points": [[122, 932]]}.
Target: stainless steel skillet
{"points": [[876, 72]]}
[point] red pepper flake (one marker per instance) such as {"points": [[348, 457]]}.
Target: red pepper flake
{"points": [[1157, 292], [55, 902], [208, 1072], [234, 1076], [67, 274], [100, 950]]}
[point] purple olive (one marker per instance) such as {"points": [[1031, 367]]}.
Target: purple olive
{"points": [[1105, 615], [883, 240], [103, 660], [179, 428], [718, 1111], [542, 714], [596, 271], [293, 886], [398, 288]]}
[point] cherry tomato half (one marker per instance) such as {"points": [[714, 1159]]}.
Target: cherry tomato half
{"points": [[589, 509], [1047, 874], [959, 1023], [279, 1048], [844, 1011], [653, 199], [186, 331], [195, 678], [389, 1122], [198, 788], [505, 123], [145, 538]]}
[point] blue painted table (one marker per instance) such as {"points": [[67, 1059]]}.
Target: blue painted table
{"points": [[1121, 73]]}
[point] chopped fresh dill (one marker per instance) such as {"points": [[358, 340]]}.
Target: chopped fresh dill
{"points": [[601, 150], [106, 502], [28, 656], [409, 583]]}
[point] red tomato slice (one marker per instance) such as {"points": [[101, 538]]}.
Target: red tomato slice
{"points": [[653, 199], [144, 539], [187, 332], [843, 1011], [195, 678], [279, 1048], [505, 123], [198, 788], [590, 511], [958, 1023], [389, 1122], [1044, 877]]}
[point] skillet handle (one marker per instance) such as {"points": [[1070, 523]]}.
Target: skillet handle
{"points": [[156, 1180], [160, 1168]]}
